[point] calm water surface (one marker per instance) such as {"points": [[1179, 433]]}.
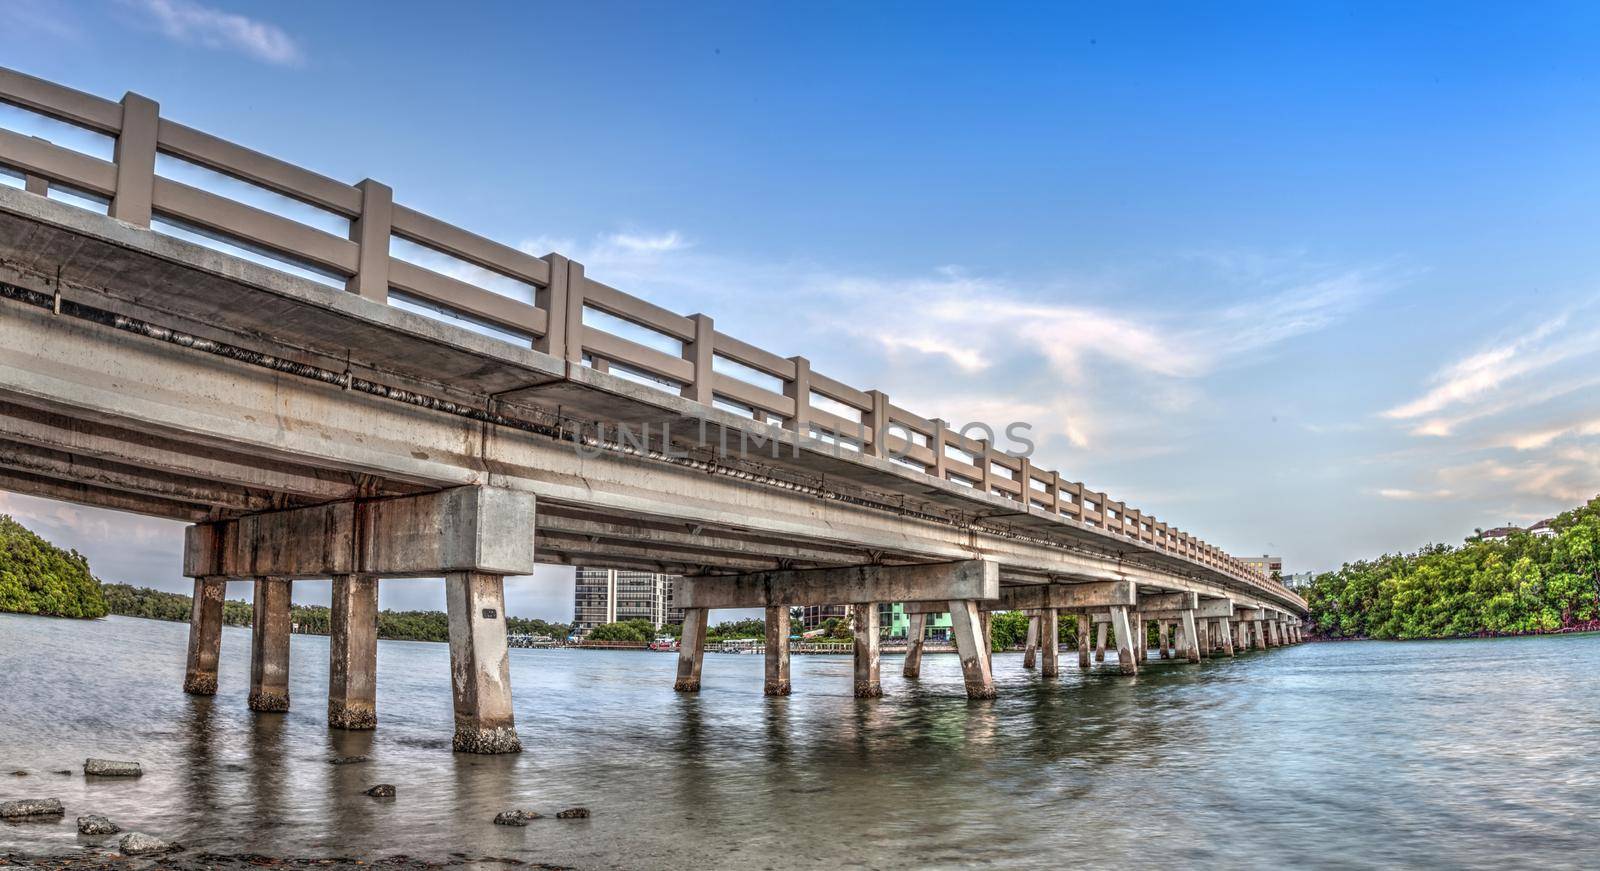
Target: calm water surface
{"points": [[1460, 754]]}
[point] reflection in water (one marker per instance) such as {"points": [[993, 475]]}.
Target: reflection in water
{"points": [[1457, 754]]}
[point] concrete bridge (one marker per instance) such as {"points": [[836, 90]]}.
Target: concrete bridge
{"points": [[326, 403]]}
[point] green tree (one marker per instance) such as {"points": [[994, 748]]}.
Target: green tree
{"points": [[36, 577]]}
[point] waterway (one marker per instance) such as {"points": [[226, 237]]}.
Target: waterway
{"points": [[1468, 754]]}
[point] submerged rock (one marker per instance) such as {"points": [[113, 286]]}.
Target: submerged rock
{"points": [[140, 844], [19, 773], [382, 790], [515, 818], [94, 824], [574, 813], [347, 760], [23, 808], [111, 768]]}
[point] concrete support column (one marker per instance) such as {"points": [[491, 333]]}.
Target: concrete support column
{"points": [[1274, 633], [480, 663], [1259, 633], [1083, 639], [1203, 627], [205, 636], [1127, 650], [777, 683], [1192, 653], [1161, 637], [965, 625], [1030, 648], [691, 650], [353, 653], [914, 641], [1224, 638], [865, 624], [269, 646], [1050, 642], [1141, 637], [1100, 642], [1241, 636]]}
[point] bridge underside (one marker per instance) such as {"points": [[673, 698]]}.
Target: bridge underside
{"points": [[146, 374]]}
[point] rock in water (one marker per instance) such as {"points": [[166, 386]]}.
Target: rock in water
{"points": [[346, 760], [94, 824], [515, 818], [111, 768], [24, 808], [574, 813], [140, 844], [382, 790]]}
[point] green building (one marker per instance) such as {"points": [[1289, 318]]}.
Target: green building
{"points": [[895, 623]]}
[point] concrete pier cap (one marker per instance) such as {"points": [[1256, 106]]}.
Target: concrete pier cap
{"points": [[487, 530]]}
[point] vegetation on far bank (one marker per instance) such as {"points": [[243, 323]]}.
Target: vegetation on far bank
{"points": [[36, 577], [133, 601], [1523, 584]]}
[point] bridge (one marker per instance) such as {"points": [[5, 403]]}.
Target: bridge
{"points": [[326, 383]]}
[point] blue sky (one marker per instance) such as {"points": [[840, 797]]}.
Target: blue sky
{"points": [[1314, 280]]}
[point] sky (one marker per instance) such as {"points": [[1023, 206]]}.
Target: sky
{"points": [[1317, 280]]}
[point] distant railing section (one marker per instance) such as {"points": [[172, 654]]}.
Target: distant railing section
{"points": [[708, 367]]}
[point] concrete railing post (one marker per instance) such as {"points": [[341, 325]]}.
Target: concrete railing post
{"points": [[699, 353], [269, 646], [976, 672], [135, 156], [777, 683], [480, 664], [1127, 647], [1050, 643], [914, 641], [799, 390], [562, 301], [353, 653], [691, 650], [370, 232], [865, 624], [205, 636]]}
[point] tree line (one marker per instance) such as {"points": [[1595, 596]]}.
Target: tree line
{"points": [[133, 601], [1520, 585]]}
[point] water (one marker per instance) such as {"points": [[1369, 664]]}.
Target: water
{"points": [[1461, 754]]}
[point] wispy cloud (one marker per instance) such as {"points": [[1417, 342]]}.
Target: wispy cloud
{"points": [[195, 24], [1463, 389], [1406, 495]]}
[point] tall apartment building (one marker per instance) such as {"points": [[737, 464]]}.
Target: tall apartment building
{"points": [[613, 595]]}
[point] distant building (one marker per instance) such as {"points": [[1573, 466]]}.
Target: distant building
{"points": [[1263, 565], [612, 595], [813, 616], [1299, 580], [1543, 529], [892, 619], [1499, 533]]}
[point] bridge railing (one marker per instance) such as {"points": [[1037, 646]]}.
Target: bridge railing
{"points": [[546, 302]]}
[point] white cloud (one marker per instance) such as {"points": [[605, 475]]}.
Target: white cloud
{"points": [[196, 24], [1483, 377], [1406, 495]]}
